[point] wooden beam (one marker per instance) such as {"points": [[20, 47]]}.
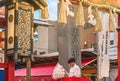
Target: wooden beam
{"points": [[4, 2], [40, 3], [89, 71], [43, 3]]}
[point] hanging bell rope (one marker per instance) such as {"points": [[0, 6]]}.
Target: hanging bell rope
{"points": [[45, 12], [111, 22], [98, 26], [62, 15], [79, 17]]}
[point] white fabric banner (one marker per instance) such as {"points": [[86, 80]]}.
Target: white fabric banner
{"points": [[103, 47]]}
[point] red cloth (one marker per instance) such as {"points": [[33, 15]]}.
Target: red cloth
{"points": [[36, 78], [42, 70], [20, 79], [37, 70], [49, 78], [75, 79]]}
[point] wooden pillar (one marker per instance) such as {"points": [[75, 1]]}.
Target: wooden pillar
{"points": [[118, 77], [9, 71], [28, 69]]}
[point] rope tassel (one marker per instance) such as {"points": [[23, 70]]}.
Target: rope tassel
{"points": [[79, 17], [62, 16], [98, 26], [45, 12], [111, 22]]}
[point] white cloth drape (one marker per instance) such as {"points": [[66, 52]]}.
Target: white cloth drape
{"points": [[103, 47]]}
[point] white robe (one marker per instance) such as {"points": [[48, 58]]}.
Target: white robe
{"points": [[74, 71]]}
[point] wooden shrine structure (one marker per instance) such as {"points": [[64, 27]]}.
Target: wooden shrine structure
{"points": [[18, 33]]}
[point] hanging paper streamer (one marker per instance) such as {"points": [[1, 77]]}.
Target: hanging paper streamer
{"points": [[91, 16], [69, 12], [79, 17], [98, 26], [111, 22], [62, 16], [45, 12]]}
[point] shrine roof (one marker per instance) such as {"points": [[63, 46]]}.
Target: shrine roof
{"points": [[38, 4]]}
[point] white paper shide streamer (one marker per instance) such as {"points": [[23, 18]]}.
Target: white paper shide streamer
{"points": [[59, 72], [91, 17]]}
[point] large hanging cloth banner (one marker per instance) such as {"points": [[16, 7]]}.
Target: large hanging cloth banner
{"points": [[62, 16], [103, 47], [79, 16], [45, 12]]}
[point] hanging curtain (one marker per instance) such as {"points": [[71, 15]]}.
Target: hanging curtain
{"points": [[62, 15], [98, 26], [111, 22], [79, 17], [45, 12]]}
